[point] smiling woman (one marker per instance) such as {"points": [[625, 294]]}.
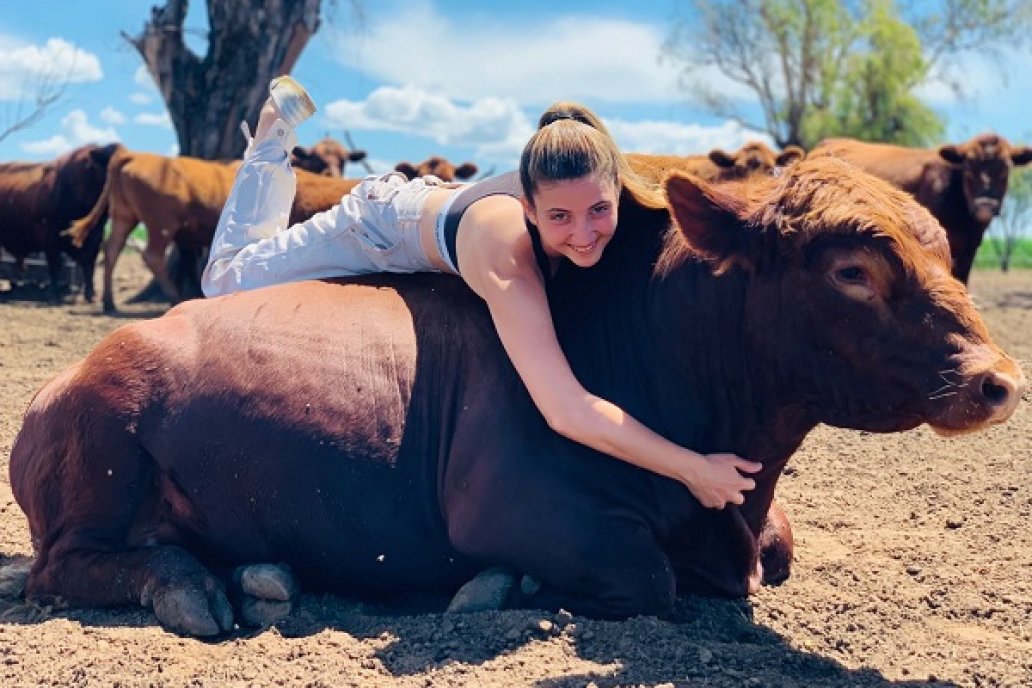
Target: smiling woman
{"points": [[506, 236]]}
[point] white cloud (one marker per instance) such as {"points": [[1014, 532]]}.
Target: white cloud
{"points": [[26, 68], [140, 98], [110, 115], [142, 78], [495, 127], [677, 138], [75, 131], [533, 61], [153, 119]]}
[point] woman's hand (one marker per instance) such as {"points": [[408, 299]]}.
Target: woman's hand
{"points": [[716, 480]]}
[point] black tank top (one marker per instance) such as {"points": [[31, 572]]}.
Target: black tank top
{"points": [[507, 184]]}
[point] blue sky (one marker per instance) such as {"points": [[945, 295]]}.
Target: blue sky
{"points": [[461, 78]]}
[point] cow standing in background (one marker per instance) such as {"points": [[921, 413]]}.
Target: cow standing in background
{"points": [[179, 200], [327, 157], [373, 434], [962, 185], [437, 167], [39, 200], [754, 158]]}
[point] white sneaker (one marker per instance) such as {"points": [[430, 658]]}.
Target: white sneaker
{"points": [[292, 100]]}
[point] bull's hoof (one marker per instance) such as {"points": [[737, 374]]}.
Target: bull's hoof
{"points": [[258, 613], [488, 591], [13, 578], [109, 308], [266, 593], [189, 608]]}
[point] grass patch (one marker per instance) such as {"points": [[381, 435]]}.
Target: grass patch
{"points": [[988, 257]]}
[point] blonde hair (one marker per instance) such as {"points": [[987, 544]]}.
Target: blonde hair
{"points": [[571, 142]]}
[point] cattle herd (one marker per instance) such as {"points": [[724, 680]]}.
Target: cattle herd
{"points": [[62, 206], [374, 437]]}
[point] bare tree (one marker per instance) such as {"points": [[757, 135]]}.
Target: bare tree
{"points": [[1015, 220], [249, 43], [49, 89]]}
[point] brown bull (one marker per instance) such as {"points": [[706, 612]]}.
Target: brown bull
{"points": [[373, 434], [328, 157], [39, 200], [754, 158], [962, 185], [438, 167], [179, 199]]}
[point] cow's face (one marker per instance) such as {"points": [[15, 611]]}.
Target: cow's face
{"points": [[850, 306], [753, 158], [984, 163], [437, 167], [327, 157]]}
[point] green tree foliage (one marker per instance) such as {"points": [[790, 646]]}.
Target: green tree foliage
{"points": [[837, 67]]}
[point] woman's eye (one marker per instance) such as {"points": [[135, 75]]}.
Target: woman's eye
{"points": [[600, 211], [851, 273], [557, 217]]}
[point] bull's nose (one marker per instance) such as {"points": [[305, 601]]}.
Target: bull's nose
{"points": [[1002, 392]]}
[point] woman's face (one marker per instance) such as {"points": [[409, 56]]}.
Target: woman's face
{"points": [[576, 218]]}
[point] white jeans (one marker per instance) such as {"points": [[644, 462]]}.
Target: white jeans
{"points": [[375, 228]]}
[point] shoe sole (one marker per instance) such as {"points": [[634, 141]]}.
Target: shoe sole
{"points": [[292, 99]]}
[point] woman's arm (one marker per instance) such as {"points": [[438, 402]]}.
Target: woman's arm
{"points": [[519, 308]]}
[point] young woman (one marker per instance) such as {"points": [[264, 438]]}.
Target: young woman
{"points": [[503, 236]]}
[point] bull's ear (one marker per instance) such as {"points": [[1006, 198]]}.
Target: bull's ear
{"points": [[356, 155], [711, 221], [407, 169], [790, 155], [300, 153], [721, 159], [951, 154], [465, 170], [1021, 155]]}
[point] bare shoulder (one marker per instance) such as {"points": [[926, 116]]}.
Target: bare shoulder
{"points": [[493, 244]]}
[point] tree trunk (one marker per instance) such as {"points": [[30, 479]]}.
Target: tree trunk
{"points": [[249, 43]]}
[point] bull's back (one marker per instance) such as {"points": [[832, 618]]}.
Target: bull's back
{"points": [[903, 167]]}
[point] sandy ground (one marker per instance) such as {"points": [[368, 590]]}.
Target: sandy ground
{"points": [[914, 567]]}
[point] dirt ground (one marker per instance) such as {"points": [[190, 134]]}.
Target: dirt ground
{"points": [[914, 567]]}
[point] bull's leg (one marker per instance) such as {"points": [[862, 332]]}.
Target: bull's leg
{"points": [[88, 293], [184, 596], [120, 228], [93, 499], [54, 264], [606, 567], [776, 546], [154, 257]]}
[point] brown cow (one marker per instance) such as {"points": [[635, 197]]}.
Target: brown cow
{"points": [[177, 199], [754, 158], [962, 185], [438, 167], [374, 435], [38, 200], [327, 157], [180, 199]]}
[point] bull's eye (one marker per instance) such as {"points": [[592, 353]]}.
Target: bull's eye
{"points": [[850, 274]]}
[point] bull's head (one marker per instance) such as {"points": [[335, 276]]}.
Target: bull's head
{"points": [[850, 306], [985, 163], [753, 158], [328, 157], [437, 167]]}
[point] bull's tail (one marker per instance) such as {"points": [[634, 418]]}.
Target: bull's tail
{"points": [[84, 226]]}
